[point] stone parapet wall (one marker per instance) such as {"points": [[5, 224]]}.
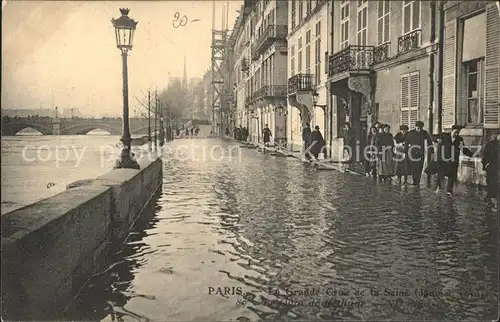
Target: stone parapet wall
{"points": [[50, 248]]}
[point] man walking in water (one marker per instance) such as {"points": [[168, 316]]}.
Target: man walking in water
{"points": [[416, 140], [266, 133]]}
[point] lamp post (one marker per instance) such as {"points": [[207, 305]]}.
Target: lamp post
{"points": [[124, 32]]}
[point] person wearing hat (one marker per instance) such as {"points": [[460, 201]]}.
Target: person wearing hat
{"points": [[349, 138], [491, 164], [317, 142], [416, 140], [402, 165], [448, 155]]}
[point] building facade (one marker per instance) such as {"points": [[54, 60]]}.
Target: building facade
{"points": [[263, 66], [308, 23], [471, 71], [385, 64]]}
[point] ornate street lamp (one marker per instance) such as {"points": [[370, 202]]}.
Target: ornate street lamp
{"points": [[314, 96], [280, 109], [124, 32]]}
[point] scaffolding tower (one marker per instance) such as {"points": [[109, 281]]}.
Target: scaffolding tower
{"points": [[219, 70]]}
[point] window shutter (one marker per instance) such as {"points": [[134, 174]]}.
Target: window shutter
{"points": [[405, 102], [414, 89], [449, 74], [386, 28], [491, 104], [380, 29]]}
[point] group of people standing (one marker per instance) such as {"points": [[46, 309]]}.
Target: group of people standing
{"points": [[188, 131], [402, 155], [240, 133]]}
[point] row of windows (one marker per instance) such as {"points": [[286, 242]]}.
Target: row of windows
{"points": [[317, 53], [411, 20], [264, 75], [298, 16]]}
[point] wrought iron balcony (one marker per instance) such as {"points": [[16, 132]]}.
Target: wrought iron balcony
{"points": [[410, 41], [381, 53], [352, 58], [300, 82], [270, 91], [269, 36]]}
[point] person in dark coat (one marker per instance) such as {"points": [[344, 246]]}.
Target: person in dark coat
{"points": [[317, 142], [349, 143], [371, 153], [402, 164], [237, 133], [448, 157], [266, 133], [491, 164], [245, 133], [385, 148], [306, 136], [416, 140]]}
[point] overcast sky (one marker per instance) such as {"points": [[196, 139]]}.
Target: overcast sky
{"points": [[66, 51]]}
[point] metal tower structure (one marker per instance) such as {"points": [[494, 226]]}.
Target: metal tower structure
{"points": [[219, 55]]}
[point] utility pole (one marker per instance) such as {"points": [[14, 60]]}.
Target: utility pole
{"points": [[156, 117], [149, 117]]}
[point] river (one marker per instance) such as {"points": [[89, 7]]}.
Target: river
{"points": [[35, 167], [251, 236]]}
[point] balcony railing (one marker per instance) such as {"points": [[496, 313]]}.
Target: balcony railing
{"points": [[300, 82], [381, 53], [270, 91], [271, 34], [410, 41], [352, 58]]}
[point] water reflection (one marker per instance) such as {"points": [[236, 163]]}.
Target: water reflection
{"points": [[109, 291], [303, 244]]}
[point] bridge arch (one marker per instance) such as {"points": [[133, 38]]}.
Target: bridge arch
{"points": [[13, 129], [83, 129]]}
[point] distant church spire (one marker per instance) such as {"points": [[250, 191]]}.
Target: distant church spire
{"points": [[184, 76]]}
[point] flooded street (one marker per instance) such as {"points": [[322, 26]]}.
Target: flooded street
{"points": [[250, 236]]}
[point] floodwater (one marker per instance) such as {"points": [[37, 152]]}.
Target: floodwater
{"points": [[35, 167], [249, 236]]}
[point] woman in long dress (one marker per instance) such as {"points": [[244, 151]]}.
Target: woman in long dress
{"points": [[401, 157], [385, 147]]}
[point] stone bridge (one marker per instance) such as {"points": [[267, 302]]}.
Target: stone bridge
{"points": [[72, 126]]}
